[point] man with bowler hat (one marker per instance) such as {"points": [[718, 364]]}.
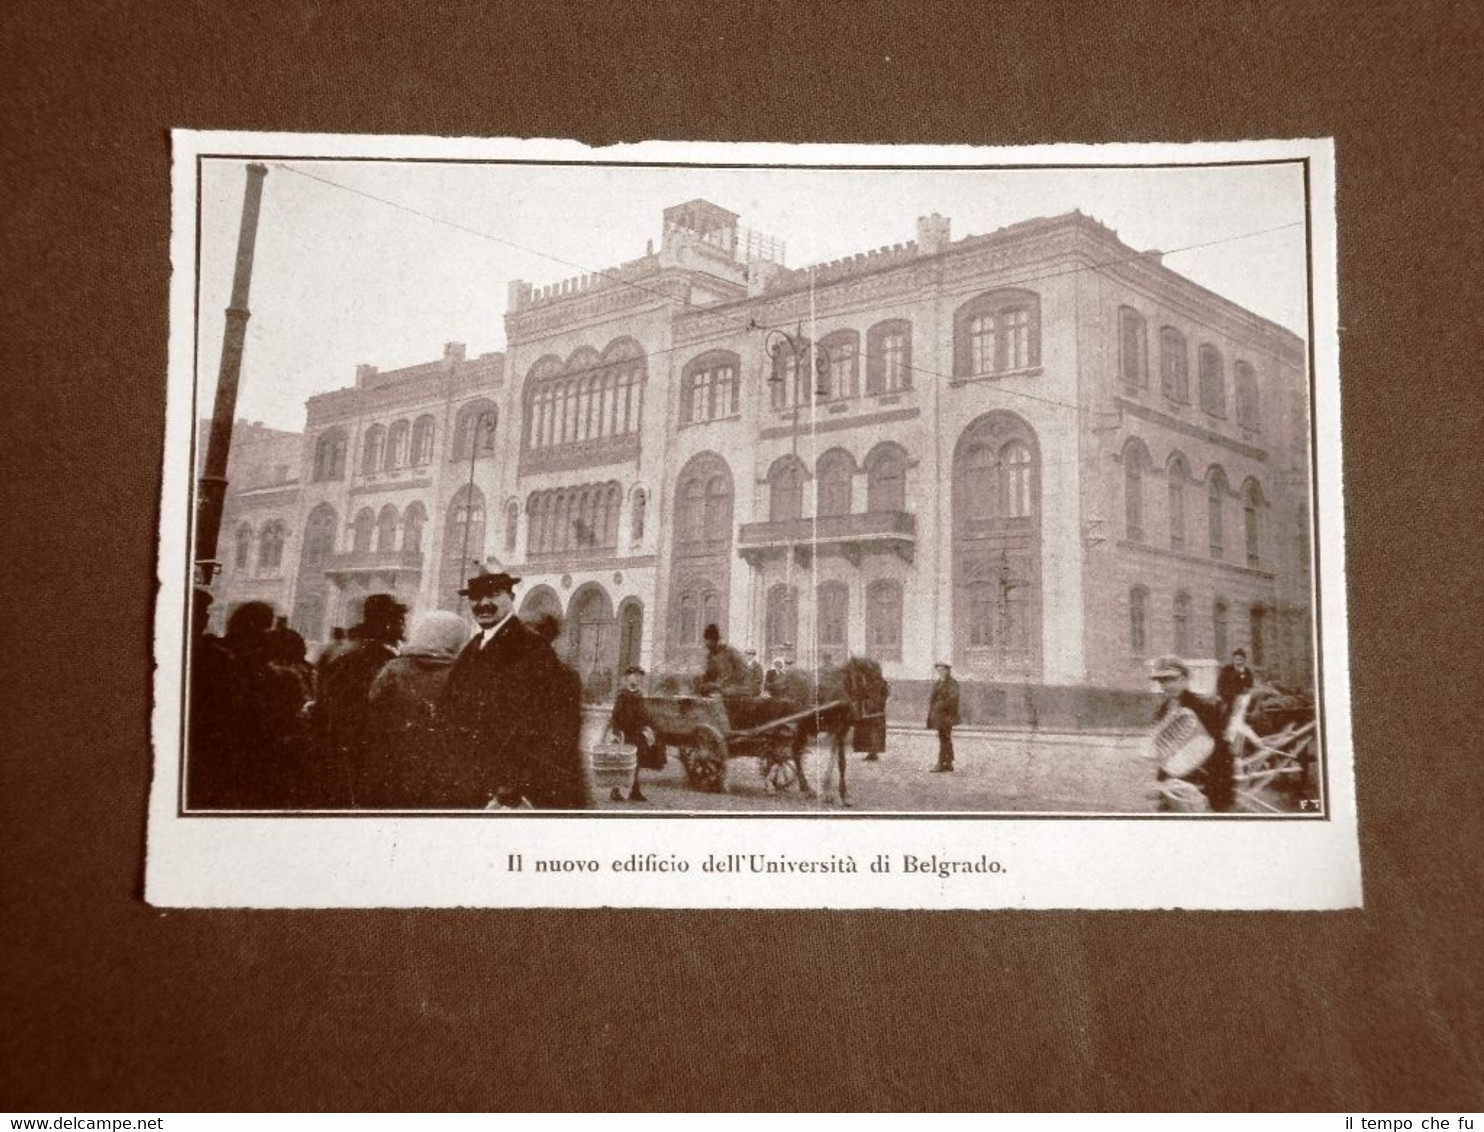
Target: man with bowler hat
{"points": [[344, 703], [516, 722]]}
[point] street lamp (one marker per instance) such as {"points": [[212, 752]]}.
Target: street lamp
{"points": [[780, 344], [484, 421]]}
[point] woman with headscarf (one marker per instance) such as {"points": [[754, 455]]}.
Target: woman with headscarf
{"points": [[407, 765]]}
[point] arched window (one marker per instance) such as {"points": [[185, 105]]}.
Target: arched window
{"points": [[1213, 381], [386, 530], [396, 444], [997, 332], [701, 555], [884, 619], [1014, 476], [512, 526], [836, 471], [886, 478], [718, 510], [978, 472], [1251, 518], [474, 431], [1181, 615], [1174, 365], [710, 387], [591, 400], [329, 455], [1248, 410], [1133, 348], [1176, 475], [1215, 506], [244, 546], [372, 449], [636, 522], [1138, 620], [309, 616], [413, 521], [693, 511], [834, 617], [889, 356], [270, 545], [1135, 460], [781, 619], [1219, 629], [463, 544], [1257, 623], [319, 537], [785, 490], [996, 554], [842, 357], [422, 440], [364, 529]]}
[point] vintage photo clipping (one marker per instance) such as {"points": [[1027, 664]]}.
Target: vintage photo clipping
{"points": [[702, 525]]}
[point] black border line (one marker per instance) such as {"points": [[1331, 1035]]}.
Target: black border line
{"points": [[1324, 814]]}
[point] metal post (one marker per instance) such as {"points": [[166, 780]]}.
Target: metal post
{"points": [[212, 490]]}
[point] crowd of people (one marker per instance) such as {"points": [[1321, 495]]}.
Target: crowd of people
{"points": [[390, 716]]}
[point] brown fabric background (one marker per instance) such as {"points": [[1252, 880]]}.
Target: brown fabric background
{"points": [[110, 1005]]}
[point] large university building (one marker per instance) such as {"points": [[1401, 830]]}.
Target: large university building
{"points": [[1037, 453]]}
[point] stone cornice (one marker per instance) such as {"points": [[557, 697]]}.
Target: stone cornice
{"points": [[1185, 428]]}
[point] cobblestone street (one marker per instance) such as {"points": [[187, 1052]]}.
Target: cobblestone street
{"points": [[994, 772]]}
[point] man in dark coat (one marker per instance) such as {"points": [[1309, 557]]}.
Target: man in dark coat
{"points": [[512, 711], [1214, 776], [343, 706], [631, 721], [1235, 679], [943, 714], [725, 672]]}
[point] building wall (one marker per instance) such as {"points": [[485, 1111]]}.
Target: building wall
{"points": [[1071, 563]]}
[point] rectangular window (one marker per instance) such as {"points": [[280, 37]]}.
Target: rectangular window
{"points": [[982, 344], [894, 362], [1017, 339]]}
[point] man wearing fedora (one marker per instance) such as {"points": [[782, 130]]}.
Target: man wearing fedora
{"points": [[1214, 776], [514, 719]]}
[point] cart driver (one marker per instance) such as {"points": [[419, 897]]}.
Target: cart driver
{"points": [[726, 672]]}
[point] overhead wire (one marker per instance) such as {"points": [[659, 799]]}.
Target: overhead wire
{"points": [[752, 325]]}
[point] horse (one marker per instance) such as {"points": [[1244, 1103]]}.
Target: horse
{"points": [[844, 697]]}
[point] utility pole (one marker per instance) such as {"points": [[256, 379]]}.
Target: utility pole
{"points": [[212, 490]]}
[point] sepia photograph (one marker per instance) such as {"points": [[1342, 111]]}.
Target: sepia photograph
{"points": [[534, 481]]}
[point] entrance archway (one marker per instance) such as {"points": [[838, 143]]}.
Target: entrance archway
{"points": [[630, 633], [592, 636]]}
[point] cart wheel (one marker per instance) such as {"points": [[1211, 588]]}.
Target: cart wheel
{"points": [[706, 761]]}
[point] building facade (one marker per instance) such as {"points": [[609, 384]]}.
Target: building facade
{"points": [[1037, 453]]}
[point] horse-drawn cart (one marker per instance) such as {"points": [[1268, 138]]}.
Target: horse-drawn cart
{"points": [[708, 731]]}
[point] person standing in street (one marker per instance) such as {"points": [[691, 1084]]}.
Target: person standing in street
{"points": [[1214, 776], [407, 764], [630, 721], [943, 714], [510, 711], [1235, 679], [344, 703]]}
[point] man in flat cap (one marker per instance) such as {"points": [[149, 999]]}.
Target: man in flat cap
{"points": [[943, 714], [1214, 776], [515, 720]]}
